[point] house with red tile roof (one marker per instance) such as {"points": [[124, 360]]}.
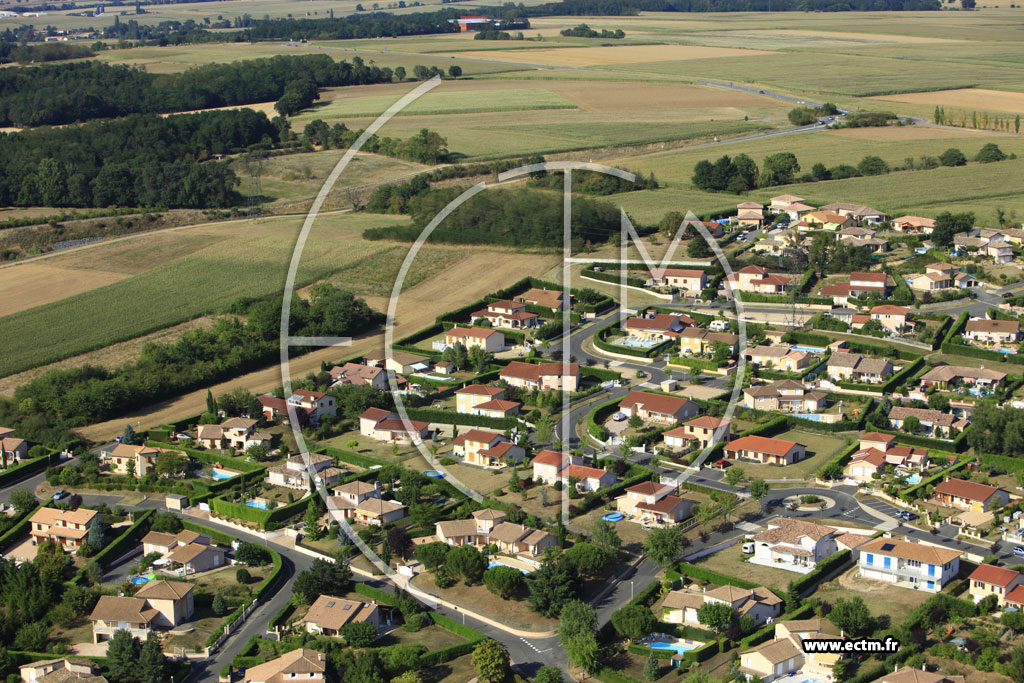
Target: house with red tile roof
{"points": [[491, 341], [757, 280], [684, 279], [700, 431], [508, 314], [542, 376], [970, 495], [551, 466], [653, 502], [766, 450], [658, 408], [487, 449], [893, 318], [384, 425], [662, 327], [989, 580], [358, 374]]}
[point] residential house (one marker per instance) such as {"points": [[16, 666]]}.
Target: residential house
{"points": [[793, 545], [908, 565], [77, 669], [193, 558], [909, 674], [157, 542], [749, 214], [659, 408], [854, 232], [298, 665], [660, 328], [933, 422], [873, 459], [825, 220], [766, 450], [970, 495], [757, 280], [328, 615], [378, 512], [790, 205], [864, 283], [784, 656], [700, 432], [983, 331], [946, 376], [856, 367], [913, 224], [930, 281], [551, 466], [965, 281], [487, 449], [783, 200], [782, 358], [542, 376], [123, 458], [683, 279], [65, 528], [548, 298], [652, 502], [237, 432], [696, 341], [313, 404], [989, 579], [680, 607], [893, 318], [12, 449], [489, 527], [874, 245], [158, 604], [788, 396], [480, 399], [386, 426], [780, 243], [348, 498], [358, 374], [999, 252], [507, 314], [294, 473], [491, 341], [398, 362], [857, 212]]}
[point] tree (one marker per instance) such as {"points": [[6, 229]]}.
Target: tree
{"points": [[70, 476], [400, 542], [717, 616], [873, 165], [664, 545], [242, 576], [652, 668], [778, 169], [399, 70], [359, 633], [219, 607], [1015, 667], [478, 359], [456, 355], [322, 578], [505, 582], [170, 463], [548, 674], [948, 224], [491, 661], [577, 631], [23, 501], [122, 656], [366, 668], [455, 71], [312, 519], [515, 484], [911, 424], [758, 488], [467, 563], [698, 247], [990, 152], [802, 116], [952, 157], [211, 402], [634, 621], [550, 586], [635, 422], [604, 536], [128, 436], [96, 535], [852, 616], [432, 555], [152, 664], [586, 558], [734, 475]]}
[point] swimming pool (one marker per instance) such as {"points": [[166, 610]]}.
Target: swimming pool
{"points": [[639, 343], [914, 479], [809, 349], [681, 648], [258, 504], [139, 580], [223, 474], [613, 517], [434, 473], [498, 563], [813, 417]]}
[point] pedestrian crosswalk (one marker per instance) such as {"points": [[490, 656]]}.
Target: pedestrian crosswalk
{"points": [[534, 647]]}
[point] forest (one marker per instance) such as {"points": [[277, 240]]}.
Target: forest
{"points": [[520, 218], [141, 160], [87, 394], [57, 94], [594, 182]]}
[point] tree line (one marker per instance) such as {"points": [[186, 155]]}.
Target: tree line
{"points": [[141, 160], [63, 399], [584, 31], [57, 94], [593, 182], [632, 7], [509, 217]]}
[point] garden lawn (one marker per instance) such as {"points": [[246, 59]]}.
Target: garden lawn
{"points": [[730, 562], [478, 599], [454, 671], [881, 598], [432, 638], [218, 581], [820, 448]]}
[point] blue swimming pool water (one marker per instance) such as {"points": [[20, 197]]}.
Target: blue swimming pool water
{"points": [[914, 479], [613, 517], [495, 563], [809, 349], [678, 647], [139, 580], [814, 417], [639, 344], [259, 504], [434, 473], [221, 474]]}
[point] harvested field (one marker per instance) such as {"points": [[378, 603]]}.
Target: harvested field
{"points": [[477, 100], [265, 107], [33, 284], [602, 56], [893, 133], [968, 98]]}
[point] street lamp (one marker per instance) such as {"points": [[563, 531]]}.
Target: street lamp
{"points": [[630, 590]]}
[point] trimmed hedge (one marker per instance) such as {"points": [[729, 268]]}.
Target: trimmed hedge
{"points": [[349, 457], [1008, 463], [891, 383], [21, 527], [766, 632], [446, 654], [650, 352], [701, 573], [375, 593], [283, 512], [912, 492], [614, 278], [120, 545], [701, 363], [240, 511], [957, 445], [597, 417], [599, 374], [12, 475], [611, 676], [455, 418], [842, 458], [809, 582], [218, 537], [985, 354]]}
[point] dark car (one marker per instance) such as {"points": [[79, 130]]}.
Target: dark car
{"points": [[61, 495]]}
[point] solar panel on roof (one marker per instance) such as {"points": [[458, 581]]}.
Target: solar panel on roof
{"points": [[888, 546]]}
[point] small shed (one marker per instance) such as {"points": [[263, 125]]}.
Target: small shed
{"points": [[176, 502]]}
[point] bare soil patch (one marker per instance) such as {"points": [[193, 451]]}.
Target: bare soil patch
{"points": [[969, 98], [34, 284]]}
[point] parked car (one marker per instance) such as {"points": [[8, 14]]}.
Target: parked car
{"points": [[1018, 550], [61, 495], [748, 548], [620, 417]]}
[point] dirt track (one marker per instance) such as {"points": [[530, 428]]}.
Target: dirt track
{"points": [[467, 281]]}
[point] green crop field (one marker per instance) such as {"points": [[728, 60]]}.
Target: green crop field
{"points": [[478, 100]]}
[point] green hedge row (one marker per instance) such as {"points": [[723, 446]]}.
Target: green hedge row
{"points": [[454, 418], [858, 346], [211, 458], [614, 278], [704, 574], [424, 334], [808, 583], [842, 458], [349, 457], [957, 445], [599, 373], [985, 354], [374, 593], [129, 538], [1008, 463], [891, 383], [596, 418], [264, 586], [27, 468], [240, 511], [23, 526], [767, 632], [612, 676], [446, 654], [915, 490], [702, 363], [285, 512], [218, 537], [651, 352]]}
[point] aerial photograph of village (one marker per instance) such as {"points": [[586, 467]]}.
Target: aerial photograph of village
{"points": [[444, 341]]}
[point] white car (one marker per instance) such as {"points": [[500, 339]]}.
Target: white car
{"points": [[748, 548], [620, 417]]}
